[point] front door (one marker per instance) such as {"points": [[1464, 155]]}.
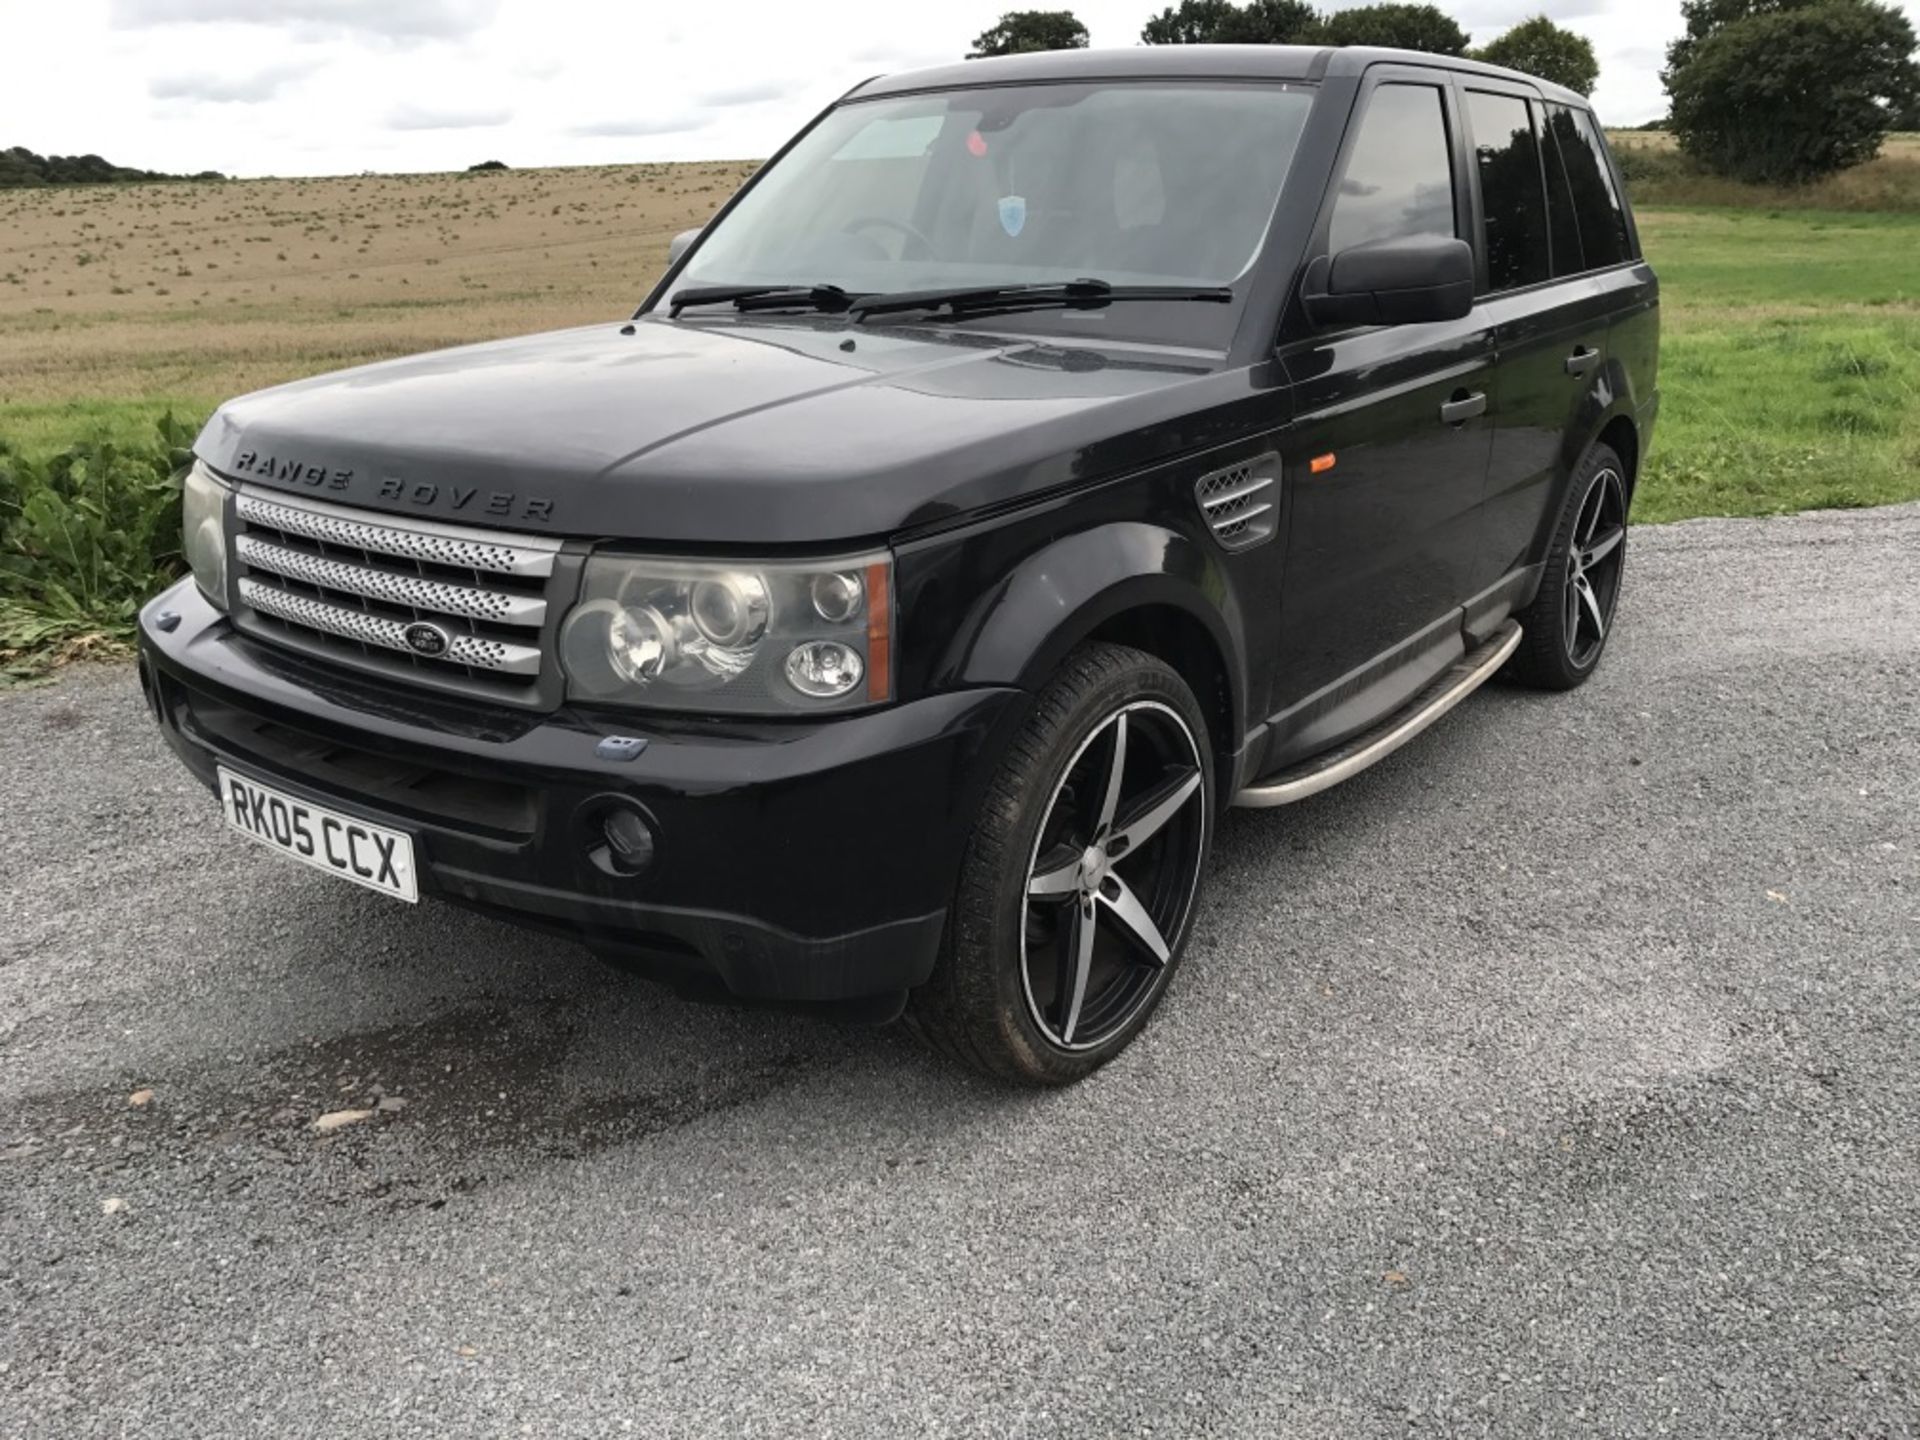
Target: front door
{"points": [[1388, 458]]}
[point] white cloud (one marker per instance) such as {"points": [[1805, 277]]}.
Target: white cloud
{"points": [[391, 19], [752, 94], [668, 125], [242, 88], [419, 117]]}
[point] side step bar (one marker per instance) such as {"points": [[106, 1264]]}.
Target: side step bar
{"points": [[1343, 762]]}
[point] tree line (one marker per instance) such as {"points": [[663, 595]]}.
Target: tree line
{"points": [[1781, 91], [20, 168], [1537, 46]]}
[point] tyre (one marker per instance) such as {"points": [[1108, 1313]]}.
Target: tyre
{"points": [[1078, 888], [1567, 625]]}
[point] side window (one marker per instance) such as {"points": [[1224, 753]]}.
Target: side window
{"points": [[1511, 193], [1603, 223], [1563, 228], [1399, 179]]}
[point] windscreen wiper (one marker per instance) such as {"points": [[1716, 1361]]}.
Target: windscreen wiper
{"points": [[1081, 294], [763, 297]]}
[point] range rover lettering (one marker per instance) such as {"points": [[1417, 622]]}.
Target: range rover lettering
{"points": [[1036, 457]]}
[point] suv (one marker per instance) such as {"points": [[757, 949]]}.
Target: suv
{"points": [[1035, 457]]}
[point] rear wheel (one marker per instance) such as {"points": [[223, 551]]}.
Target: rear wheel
{"points": [[1078, 888], [1567, 625]]}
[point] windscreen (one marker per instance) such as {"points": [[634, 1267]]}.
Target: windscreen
{"points": [[1131, 183]]}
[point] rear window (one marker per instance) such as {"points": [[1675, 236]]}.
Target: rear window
{"points": [[1512, 195], [1563, 225], [1602, 219]]}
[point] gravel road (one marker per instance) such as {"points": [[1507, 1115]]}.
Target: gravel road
{"points": [[1556, 1076]]}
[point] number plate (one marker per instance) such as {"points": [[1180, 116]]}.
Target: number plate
{"points": [[367, 854]]}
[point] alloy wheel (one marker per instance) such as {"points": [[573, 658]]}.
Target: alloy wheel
{"points": [[1595, 555], [1112, 876]]}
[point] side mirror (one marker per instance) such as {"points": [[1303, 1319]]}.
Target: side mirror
{"points": [[681, 243], [1415, 280]]}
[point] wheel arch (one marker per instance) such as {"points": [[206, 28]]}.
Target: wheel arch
{"points": [[1607, 420], [1177, 637], [1130, 583], [1621, 435]]}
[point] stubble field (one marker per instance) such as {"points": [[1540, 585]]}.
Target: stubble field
{"points": [[117, 302]]}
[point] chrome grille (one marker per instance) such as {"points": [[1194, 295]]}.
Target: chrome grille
{"points": [[391, 586], [351, 584], [1238, 502], [435, 544], [470, 650]]}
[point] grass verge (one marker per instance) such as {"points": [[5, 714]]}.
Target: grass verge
{"points": [[85, 537], [1790, 364]]}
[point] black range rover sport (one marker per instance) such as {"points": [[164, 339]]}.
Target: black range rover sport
{"points": [[1035, 457]]}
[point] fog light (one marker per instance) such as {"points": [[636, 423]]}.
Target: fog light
{"points": [[824, 669], [618, 839], [630, 840]]}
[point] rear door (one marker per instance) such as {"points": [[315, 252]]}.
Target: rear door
{"points": [[1549, 313], [1388, 459]]}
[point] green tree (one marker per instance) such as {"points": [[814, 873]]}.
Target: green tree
{"points": [[21, 167], [1540, 47], [1221, 22], [1021, 31], [1403, 27], [1785, 91]]}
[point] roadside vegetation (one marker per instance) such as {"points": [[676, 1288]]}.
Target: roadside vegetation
{"points": [[86, 536], [1660, 173], [1790, 363]]}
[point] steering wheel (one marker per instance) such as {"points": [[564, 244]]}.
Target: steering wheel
{"points": [[899, 227]]}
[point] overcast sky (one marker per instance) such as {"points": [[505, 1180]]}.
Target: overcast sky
{"points": [[320, 87]]}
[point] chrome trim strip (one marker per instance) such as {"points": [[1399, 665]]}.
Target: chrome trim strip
{"points": [[391, 586], [1227, 522], [1474, 671], [432, 541], [1240, 492], [477, 651]]}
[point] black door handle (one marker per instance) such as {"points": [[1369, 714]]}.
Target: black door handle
{"points": [[1582, 360], [1463, 408]]}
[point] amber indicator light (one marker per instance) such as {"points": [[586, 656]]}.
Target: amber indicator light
{"points": [[1320, 464], [879, 634]]}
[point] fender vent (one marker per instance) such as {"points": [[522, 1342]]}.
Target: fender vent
{"points": [[1239, 502]]}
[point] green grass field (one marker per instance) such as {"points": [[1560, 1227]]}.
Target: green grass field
{"points": [[1790, 368]]}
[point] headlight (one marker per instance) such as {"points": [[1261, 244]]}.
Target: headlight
{"points": [[732, 638], [203, 532]]}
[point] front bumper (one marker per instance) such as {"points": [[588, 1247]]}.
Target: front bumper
{"points": [[793, 861]]}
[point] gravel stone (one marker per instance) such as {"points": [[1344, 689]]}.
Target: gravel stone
{"points": [[1554, 1076]]}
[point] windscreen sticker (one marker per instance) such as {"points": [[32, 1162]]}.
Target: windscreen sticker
{"points": [[1013, 213], [976, 144]]}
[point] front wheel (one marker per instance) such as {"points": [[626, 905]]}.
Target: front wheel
{"points": [[1078, 888]]}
